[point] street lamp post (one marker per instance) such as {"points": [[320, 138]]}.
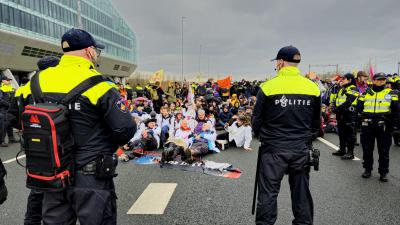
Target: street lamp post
{"points": [[398, 68], [200, 59], [79, 13], [182, 20]]}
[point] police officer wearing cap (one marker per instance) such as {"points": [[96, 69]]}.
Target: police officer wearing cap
{"points": [[6, 97], [285, 117], [379, 117], [97, 112], [345, 109]]}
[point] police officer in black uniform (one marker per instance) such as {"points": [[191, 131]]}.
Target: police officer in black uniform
{"points": [[285, 117], [379, 118], [6, 97], [100, 112], [345, 109]]}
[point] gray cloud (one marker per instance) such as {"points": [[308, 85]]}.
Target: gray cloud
{"points": [[240, 37]]}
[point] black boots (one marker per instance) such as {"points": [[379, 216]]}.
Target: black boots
{"points": [[383, 178], [349, 155], [366, 174], [339, 153]]}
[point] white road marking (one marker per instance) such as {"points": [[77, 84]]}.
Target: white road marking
{"points": [[154, 199], [334, 146], [14, 159]]}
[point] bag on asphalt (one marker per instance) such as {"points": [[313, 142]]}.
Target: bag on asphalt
{"points": [[47, 138]]}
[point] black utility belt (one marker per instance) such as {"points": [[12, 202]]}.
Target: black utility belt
{"points": [[102, 168], [369, 122]]}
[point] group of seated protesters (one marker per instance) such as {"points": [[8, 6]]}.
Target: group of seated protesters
{"points": [[189, 130]]}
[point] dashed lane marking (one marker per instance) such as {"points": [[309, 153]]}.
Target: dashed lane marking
{"points": [[334, 146], [154, 199], [13, 159]]}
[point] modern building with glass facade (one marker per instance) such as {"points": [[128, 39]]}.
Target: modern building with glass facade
{"points": [[31, 29]]}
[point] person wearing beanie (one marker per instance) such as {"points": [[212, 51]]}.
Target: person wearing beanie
{"points": [[344, 107], [361, 82]]}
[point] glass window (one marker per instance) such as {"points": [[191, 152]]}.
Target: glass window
{"points": [[11, 16], [30, 22], [1, 13], [41, 28], [24, 21], [37, 5]]}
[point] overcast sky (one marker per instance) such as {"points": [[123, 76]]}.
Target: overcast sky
{"points": [[240, 37]]}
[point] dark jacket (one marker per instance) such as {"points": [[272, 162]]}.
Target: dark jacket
{"points": [[99, 111], [225, 116], [287, 112]]}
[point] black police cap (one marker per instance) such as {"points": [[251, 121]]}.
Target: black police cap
{"points": [[77, 39], [379, 76], [289, 54], [348, 76], [47, 61], [4, 77]]}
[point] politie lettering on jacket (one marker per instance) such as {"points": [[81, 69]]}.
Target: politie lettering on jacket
{"points": [[75, 106], [71, 106], [284, 102]]}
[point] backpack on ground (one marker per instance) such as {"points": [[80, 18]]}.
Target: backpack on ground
{"points": [[47, 137]]}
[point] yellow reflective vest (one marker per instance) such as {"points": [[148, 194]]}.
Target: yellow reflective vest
{"points": [[341, 97], [378, 102]]}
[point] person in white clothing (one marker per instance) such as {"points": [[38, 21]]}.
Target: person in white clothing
{"points": [[239, 133]]}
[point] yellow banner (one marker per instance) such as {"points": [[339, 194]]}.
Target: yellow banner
{"points": [[157, 76]]}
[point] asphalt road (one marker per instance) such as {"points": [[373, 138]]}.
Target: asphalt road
{"points": [[340, 195]]}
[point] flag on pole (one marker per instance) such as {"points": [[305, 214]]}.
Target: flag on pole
{"points": [[190, 96], [226, 82], [157, 76], [371, 71]]}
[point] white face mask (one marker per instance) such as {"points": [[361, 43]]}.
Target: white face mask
{"points": [[94, 57]]}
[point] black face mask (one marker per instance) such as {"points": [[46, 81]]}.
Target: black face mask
{"points": [[378, 88]]}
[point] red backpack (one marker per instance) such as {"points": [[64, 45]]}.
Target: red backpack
{"points": [[47, 137]]}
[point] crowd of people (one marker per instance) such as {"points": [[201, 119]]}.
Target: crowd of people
{"points": [[202, 118], [186, 121]]}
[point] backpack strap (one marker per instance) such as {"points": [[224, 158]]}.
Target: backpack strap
{"points": [[36, 91], [81, 88]]}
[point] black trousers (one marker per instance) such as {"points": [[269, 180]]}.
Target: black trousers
{"points": [[384, 141], [273, 166], [347, 131], [89, 200], [5, 127], [33, 215]]}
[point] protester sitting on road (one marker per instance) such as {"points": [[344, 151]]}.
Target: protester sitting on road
{"points": [[224, 116], [239, 134], [165, 122], [146, 107], [146, 138], [203, 142], [201, 119], [176, 123]]}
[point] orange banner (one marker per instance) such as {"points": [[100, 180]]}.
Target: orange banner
{"points": [[226, 82]]}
